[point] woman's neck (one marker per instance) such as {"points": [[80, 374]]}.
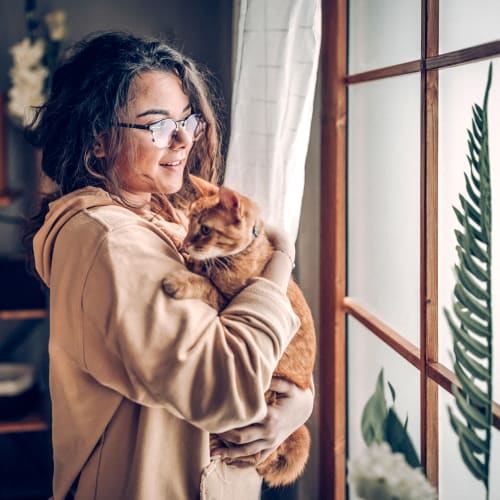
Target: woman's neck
{"points": [[136, 200]]}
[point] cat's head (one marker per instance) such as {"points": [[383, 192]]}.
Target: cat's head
{"points": [[222, 222]]}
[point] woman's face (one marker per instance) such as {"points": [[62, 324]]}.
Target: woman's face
{"points": [[141, 166]]}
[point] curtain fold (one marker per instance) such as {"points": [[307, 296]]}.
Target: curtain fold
{"points": [[275, 79]]}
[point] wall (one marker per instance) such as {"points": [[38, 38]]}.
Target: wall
{"points": [[308, 269]]}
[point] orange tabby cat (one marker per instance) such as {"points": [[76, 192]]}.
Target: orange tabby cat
{"points": [[227, 244]]}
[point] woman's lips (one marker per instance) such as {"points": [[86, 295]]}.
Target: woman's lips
{"points": [[175, 163]]}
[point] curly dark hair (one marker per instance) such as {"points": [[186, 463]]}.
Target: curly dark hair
{"points": [[90, 89]]}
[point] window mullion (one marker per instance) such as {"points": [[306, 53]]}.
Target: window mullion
{"points": [[429, 236]]}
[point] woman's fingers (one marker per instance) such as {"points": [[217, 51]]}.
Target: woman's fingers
{"points": [[241, 451], [243, 435], [290, 410]]}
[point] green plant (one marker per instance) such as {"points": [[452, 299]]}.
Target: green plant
{"points": [[470, 318], [380, 423], [389, 468]]}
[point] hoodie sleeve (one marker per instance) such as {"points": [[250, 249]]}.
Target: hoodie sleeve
{"points": [[209, 368]]}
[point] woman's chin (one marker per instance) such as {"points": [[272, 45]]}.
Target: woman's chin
{"points": [[172, 181]]}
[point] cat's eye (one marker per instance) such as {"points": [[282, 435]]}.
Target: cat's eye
{"points": [[204, 230]]}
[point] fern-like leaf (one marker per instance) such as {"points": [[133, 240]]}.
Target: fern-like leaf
{"points": [[470, 319]]}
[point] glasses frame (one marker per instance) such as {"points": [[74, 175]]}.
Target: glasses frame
{"points": [[178, 123]]}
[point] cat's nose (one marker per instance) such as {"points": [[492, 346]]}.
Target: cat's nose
{"points": [[186, 246]]}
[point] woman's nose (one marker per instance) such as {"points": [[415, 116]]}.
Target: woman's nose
{"points": [[181, 139]]}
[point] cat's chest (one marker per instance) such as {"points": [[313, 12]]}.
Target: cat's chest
{"points": [[228, 275]]}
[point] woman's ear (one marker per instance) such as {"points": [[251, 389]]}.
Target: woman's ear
{"points": [[99, 150]]}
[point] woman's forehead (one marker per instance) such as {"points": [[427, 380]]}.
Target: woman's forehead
{"points": [[158, 88]]}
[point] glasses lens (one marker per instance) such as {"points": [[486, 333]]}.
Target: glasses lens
{"points": [[194, 126], [162, 132]]}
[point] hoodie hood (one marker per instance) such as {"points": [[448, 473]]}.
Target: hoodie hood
{"points": [[60, 212]]}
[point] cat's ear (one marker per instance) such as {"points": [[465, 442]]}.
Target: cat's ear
{"points": [[230, 200], [203, 187]]}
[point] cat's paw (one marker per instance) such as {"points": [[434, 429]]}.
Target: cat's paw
{"points": [[176, 286], [187, 285]]}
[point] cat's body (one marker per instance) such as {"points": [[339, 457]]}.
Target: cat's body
{"points": [[227, 247]]}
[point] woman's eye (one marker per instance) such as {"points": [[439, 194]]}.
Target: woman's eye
{"points": [[159, 123], [204, 230]]}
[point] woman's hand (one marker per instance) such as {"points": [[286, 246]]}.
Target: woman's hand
{"points": [[281, 241], [282, 262], [293, 407]]}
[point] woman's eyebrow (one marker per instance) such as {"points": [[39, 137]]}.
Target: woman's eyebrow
{"points": [[154, 112], [164, 112]]}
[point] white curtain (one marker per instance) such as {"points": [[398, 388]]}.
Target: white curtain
{"points": [[275, 78]]}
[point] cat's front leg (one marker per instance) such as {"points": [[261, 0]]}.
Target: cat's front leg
{"points": [[184, 284]]}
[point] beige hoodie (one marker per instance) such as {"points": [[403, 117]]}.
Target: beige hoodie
{"points": [[138, 380]]}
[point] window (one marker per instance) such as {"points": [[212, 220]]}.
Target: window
{"points": [[394, 121]]}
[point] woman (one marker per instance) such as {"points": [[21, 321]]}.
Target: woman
{"points": [[138, 380]]}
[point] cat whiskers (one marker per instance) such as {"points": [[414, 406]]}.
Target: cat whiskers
{"points": [[206, 265], [223, 263]]}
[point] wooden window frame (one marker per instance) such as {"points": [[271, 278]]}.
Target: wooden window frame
{"points": [[334, 304]]}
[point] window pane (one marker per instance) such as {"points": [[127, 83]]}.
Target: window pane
{"points": [[459, 89], [463, 23], [366, 356], [374, 27], [383, 200], [455, 480]]}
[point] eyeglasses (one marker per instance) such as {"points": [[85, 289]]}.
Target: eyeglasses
{"points": [[164, 131]]}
